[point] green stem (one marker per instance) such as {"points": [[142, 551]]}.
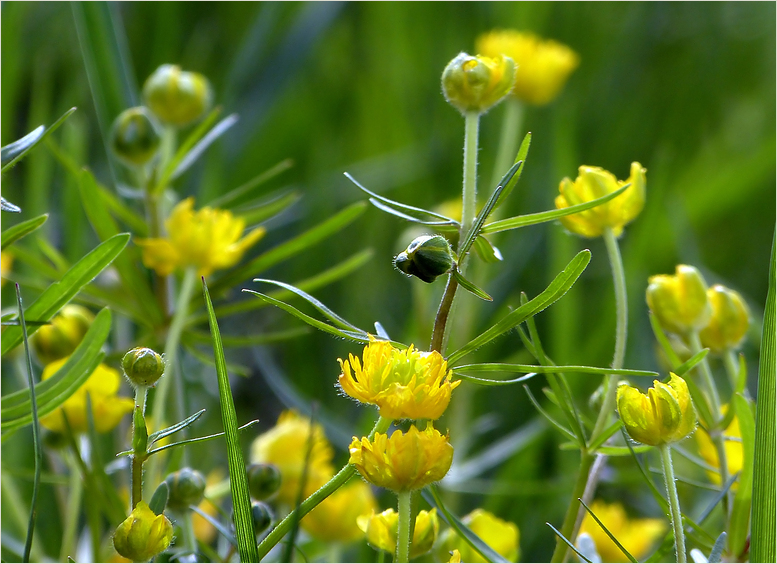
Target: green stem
{"points": [[403, 527], [732, 367], [187, 532], [443, 312], [469, 191], [674, 503], [339, 479], [510, 136], [136, 475], [74, 491], [567, 527]]}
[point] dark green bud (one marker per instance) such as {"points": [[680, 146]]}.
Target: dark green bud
{"points": [[143, 367], [263, 480], [187, 487], [427, 257], [262, 516], [135, 136]]}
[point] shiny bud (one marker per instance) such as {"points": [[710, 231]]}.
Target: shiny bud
{"points": [[143, 366], [135, 136], [262, 515], [143, 534], [187, 487], [729, 322], [475, 84], [264, 480], [680, 301], [427, 257], [177, 97], [59, 339]]}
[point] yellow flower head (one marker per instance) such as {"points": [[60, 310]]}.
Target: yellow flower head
{"points": [[335, 518], [60, 338], [729, 322], [286, 446], [6, 263], [381, 530], [407, 384], [107, 408], [734, 450], [664, 415], [636, 535], [475, 84], [502, 536], [404, 461], [592, 183], [543, 65], [679, 301], [143, 534], [207, 240]]}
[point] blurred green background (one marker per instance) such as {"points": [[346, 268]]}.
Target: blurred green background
{"points": [[686, 89]]}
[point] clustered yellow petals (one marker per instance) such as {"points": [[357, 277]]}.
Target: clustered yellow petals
{"points": [[502, 536], [143, 534], [592, 183], [407, 384], [729, 321], [207, 240], [664, 415], [336, 518], [107, 408], [381, 531], [543, 65], [636, 535], [405, 461], [60, 338], [733, 445], [679, 301], [475, 84]]}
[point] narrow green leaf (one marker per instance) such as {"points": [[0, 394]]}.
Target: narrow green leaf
{"points": [[716, 555], [197, 337], [233, 368], [538, 369], [16, 151], [721, 493], [560, 285], [663, 341], [486, 250], [564, 431], [158, 500], [444, 226], [471, 287], [167, 431], [234, 195], [196, 152], [487, 382], [741, 383], [568, 543], [241, 499], [739, 526], [199, 439], [259, 213], [609, 534], [216, 525], [596, 442], [53, 255], [691, 363], [700, 403], [609, 450], [523, 152], [19, 230]]}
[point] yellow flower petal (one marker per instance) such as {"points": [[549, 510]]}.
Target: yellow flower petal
{"points": [[502, 536], [732, 444]]}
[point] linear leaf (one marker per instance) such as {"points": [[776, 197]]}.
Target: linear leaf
{"points": [[564, 431], [740, 514], [539, 369], [16, 151], [523, 151], [596, 442], [444, 226], [689, 364], [261, 212], [167, 431], [487, 382], [609, 534], [196, 337], [191, 157], [568, 543], [471, 287], [19, 230], [663, 341], [486, 250], [229, 199], [717, 549], [200, 439]]}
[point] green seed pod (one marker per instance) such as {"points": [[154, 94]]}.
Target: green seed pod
{"points": [[427, 257], [177, 97], [143, 367], [135, 136], [187, 487], [264, 480], [262, 516]]}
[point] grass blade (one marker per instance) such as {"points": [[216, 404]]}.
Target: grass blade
{"points": [[689, 364], [191, 157], [609, 534], [234, 195], [267, 209], [740, 514], [539, 369], [523, 151], [564, 431], [21, 229], [471, 287], [568, 543], [445, 226], [16, 151]]}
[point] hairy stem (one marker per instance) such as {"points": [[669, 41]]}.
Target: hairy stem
{"points": [[469, 191], [674, 503], [443, 312], [403, 527]]}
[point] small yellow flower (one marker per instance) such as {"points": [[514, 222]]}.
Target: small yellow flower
{"points": [[407, 384], [335, 518], [543, 65], [475, 84], [381, 530], [502, 536], [6, 263], [734, 450], [143, 534], [664, 415], [107, 408], [405, 461], [679, 301], [286, 446], [592, 183], [729, 322], [636, 535], [60, 338], [208, 240]]}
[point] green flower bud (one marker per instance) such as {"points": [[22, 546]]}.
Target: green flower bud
{"points": [[475, 84], [59, 339], [679, 301], [427, 257], [729, 322], [187, 487], [262, 516], [143, 367], [135, 136], [177, 97], [264, 480]]}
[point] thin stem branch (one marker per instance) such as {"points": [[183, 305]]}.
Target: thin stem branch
{"points": [[674, 503], [403, 527]]}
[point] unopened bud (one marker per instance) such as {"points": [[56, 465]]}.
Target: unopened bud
{"points": [[475, 84], [262, 516], [679, 301], [729, 322], [427, 257], [60, 338], [177, 97], [187, 487], [143, 534], [264, 480], [135, 136], [143, 366]]}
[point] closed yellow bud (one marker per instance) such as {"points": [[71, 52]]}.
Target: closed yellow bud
{"points": [[381, 531], [664, 415], [679, 301], [502, 536], [729, 322], [143, 534], [135, 136], [475, 84], [177, 97], [60, 338]]}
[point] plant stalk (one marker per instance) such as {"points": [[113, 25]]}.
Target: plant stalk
{"points": [[469, 191], [732, 367], [570, 519], [509, 137], [443, 312], [674, 503], [136, 476], [403, 527]]}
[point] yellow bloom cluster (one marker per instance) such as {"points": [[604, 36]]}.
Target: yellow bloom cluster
{"points": [[502, 536], [381, 531], [636, 535]]}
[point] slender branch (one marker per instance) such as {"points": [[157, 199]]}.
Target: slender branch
{"points": [[403, 527], [674, 503], [441, 321]]}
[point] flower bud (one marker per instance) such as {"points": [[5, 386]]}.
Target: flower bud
{"points": [[680, 301], [264, 480], [143, 367], [475, 84], [427, 257], [187, 487], [381, 531], [262, 516], [143, 534], [135, 136], [729, 322], [177, 97], [60, 338]]}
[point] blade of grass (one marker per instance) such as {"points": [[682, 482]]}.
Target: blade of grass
{"points": [[19, 230], [609, 534], [234, 195], [689, 364], [196, 152], [564, 431], [539, 369], [13, 153], [568, 543], [739, 525], [259, 213]]}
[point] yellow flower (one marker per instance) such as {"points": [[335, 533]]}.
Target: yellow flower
{"points": [[143, 534], [207, 240], [286, 446], [664, 415], [734, 450], [592, 183], [679, 301], [381, 530], [636, 535], [729, 322], [475, 84], [405, 461], [60, 338], [6, 262], [107, 408], [543, 65], [407, 384], [502, 536], [335, 518]]}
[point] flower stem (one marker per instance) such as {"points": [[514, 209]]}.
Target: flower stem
{"points": [[674, 503], [403, 527], [441, 321], [508, 140], [469, 191], [731, 362], [570, 519], [187, 532], [136, 476]]}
